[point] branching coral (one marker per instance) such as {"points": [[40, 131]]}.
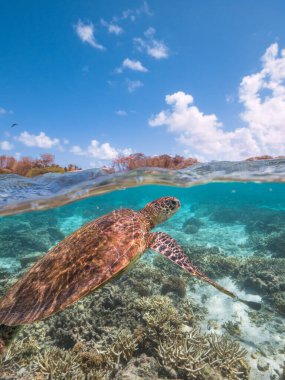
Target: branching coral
{"points": [[58, 364], [20, 351], [228, 356], [159, 316], [187, 352], [190, 352], [105, 358]]}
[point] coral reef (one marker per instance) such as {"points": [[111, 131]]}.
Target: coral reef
{"points": [[175, 285], [276, 244], [114, 333], [58, 364], [28, 234], [195, 355], [192, 225]]}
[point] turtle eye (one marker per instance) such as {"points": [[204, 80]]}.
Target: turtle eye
{"points": [[172, 204]]}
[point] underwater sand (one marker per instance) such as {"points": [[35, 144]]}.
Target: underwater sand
{"points": [[137, 326]]}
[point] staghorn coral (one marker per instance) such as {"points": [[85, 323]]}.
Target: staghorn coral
{"points": [[106, 357], [20, 351], [58, 364], [158, 310], [228, 356], [186, 352], [191, 352]]}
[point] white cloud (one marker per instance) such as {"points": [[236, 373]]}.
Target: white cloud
{"points": [[195, 129], [112, 27], [121, 113], [86, 33], [203, 134], [132, 65], [100, 151], [2, 111], [76, 149], [263, 96], [133, 13], [155, 48], [133, 85], [6, 145], [65, 141], [40, 141]]}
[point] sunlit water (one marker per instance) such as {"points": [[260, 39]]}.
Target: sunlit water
{"points": [[239, 221]]}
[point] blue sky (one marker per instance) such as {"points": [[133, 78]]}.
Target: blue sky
{"points": [[89, 80]]}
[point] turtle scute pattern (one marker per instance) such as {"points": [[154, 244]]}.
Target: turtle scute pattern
{"points": [[79, 264]]}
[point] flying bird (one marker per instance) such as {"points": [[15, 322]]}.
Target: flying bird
{"points": [[14, 125]]}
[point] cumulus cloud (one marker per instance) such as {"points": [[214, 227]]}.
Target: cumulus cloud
{"points": [[155, 48], [112, 27], [131, 65], [99, 151], [203, 133], [6, 145], [133, 85], [40, 141], [85, 32], [262, 95]]}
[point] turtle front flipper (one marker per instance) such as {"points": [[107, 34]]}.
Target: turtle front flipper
{"points": [[168, 247]]}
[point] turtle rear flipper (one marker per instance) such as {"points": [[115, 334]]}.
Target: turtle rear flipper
{"points": [[168, 247]]}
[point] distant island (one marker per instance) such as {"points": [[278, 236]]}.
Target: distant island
{"points": [[30, 167]]}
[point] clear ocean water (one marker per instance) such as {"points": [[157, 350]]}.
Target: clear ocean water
{"points": [[155, 321]]}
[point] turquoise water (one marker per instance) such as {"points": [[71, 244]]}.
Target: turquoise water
{"points": [[235, 232]]}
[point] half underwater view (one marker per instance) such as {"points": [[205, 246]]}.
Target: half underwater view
{"points": [[162, 282], [142, 190]]}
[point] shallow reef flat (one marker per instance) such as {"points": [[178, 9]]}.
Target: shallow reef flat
{"points": [[156, 322], [152, 323]]}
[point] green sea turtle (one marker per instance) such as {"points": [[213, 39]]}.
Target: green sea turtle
{"points": [[88, 259]]}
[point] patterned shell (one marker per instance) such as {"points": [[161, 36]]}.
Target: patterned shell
{"points": [[80, 263]]}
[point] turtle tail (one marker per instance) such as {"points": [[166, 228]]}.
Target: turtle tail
{"points": [[7, 335]]}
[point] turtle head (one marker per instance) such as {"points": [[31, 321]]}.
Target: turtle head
{"points": [[160, 210]]}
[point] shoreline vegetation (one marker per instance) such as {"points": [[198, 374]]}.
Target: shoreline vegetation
{"points": [[30, 167]]}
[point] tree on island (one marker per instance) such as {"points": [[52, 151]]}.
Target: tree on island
{"points": [[139, 160]]}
